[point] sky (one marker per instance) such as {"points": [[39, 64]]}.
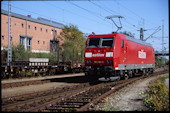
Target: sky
{"points": [[90, 16]]}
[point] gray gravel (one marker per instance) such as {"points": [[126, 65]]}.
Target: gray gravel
{"points": [[128, 98], [167, 82]]}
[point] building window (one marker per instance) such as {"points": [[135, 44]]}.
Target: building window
{"points": [[29, 26], [35, 27], [22, 24], [56, 32], [29, 44], [61, 33], [38, 41], [46, 30], [43, 42], [2, 36], [51, 31], [21, 40], [26, 42], [41, 29], [15, 24]]}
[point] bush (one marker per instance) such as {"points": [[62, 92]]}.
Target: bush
{"points": [[3, 55], [29, 74], [157, 97]]}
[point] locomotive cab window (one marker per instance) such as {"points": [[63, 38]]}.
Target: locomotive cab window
{"points": [[107, 43], [100, 43], [93, 43]]}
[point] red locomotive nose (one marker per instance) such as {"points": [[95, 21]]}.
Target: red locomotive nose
{"points": [[117, 54]]}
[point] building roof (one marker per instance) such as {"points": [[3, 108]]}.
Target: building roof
{"points": [[38, 20]]}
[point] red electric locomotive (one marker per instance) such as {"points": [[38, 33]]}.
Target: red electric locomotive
{"points": [[115, 56]]}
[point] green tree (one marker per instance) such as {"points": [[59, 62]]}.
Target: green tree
{"points": [[158, 60], [3, 55], [74, 42]]}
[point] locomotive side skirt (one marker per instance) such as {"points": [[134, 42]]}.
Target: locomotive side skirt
{"points": [[134, 66]]}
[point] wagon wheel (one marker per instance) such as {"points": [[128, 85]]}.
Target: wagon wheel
{"points": [[147, 73], [144, 72], [52, 72], [130, 74], [73, 70], [118, 79], [126, 76], [3, 75], [22, 74], [17, 73]]}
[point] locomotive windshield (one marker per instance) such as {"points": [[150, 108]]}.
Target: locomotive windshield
{"points": [[100, 43], [93, 43], [107, 43]]}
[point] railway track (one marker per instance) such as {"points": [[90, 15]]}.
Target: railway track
{"points": [[25, 83], [26, 101], [81, 97], [28, 82]]}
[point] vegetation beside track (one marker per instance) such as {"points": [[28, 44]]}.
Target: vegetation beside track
{"points": [[157, 96]]}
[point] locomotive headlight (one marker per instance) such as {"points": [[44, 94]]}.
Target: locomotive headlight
{"points": [[88, 61], [88, 54], [109, 54], [109, 61]]}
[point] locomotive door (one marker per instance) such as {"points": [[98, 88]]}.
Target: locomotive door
{"points": [[123, 55], [125, 52]]}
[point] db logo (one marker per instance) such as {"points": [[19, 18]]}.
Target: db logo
{"points": [[142, 54]]}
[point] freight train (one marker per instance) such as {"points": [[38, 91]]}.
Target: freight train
{"points": [[28, 67], [115, 56]]}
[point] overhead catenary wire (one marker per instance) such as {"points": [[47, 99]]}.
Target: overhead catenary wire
{"points": [[111, 12], [101, 7], [128, 16], [61, 20], [105, 9], [67, 23], [132, 11], [158, 29], [73, 13], [91, 12]]}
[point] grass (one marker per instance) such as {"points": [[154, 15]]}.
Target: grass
{"points": [[157, 96], [109, 106]]}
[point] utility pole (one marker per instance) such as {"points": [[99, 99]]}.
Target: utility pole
{"points": [[156, 30], [9, 55], [141, 33], [142, 29], [25, 46], [53, 43], [162, 41]]}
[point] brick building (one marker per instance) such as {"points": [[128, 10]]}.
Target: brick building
{"points": [[37, 35]]}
